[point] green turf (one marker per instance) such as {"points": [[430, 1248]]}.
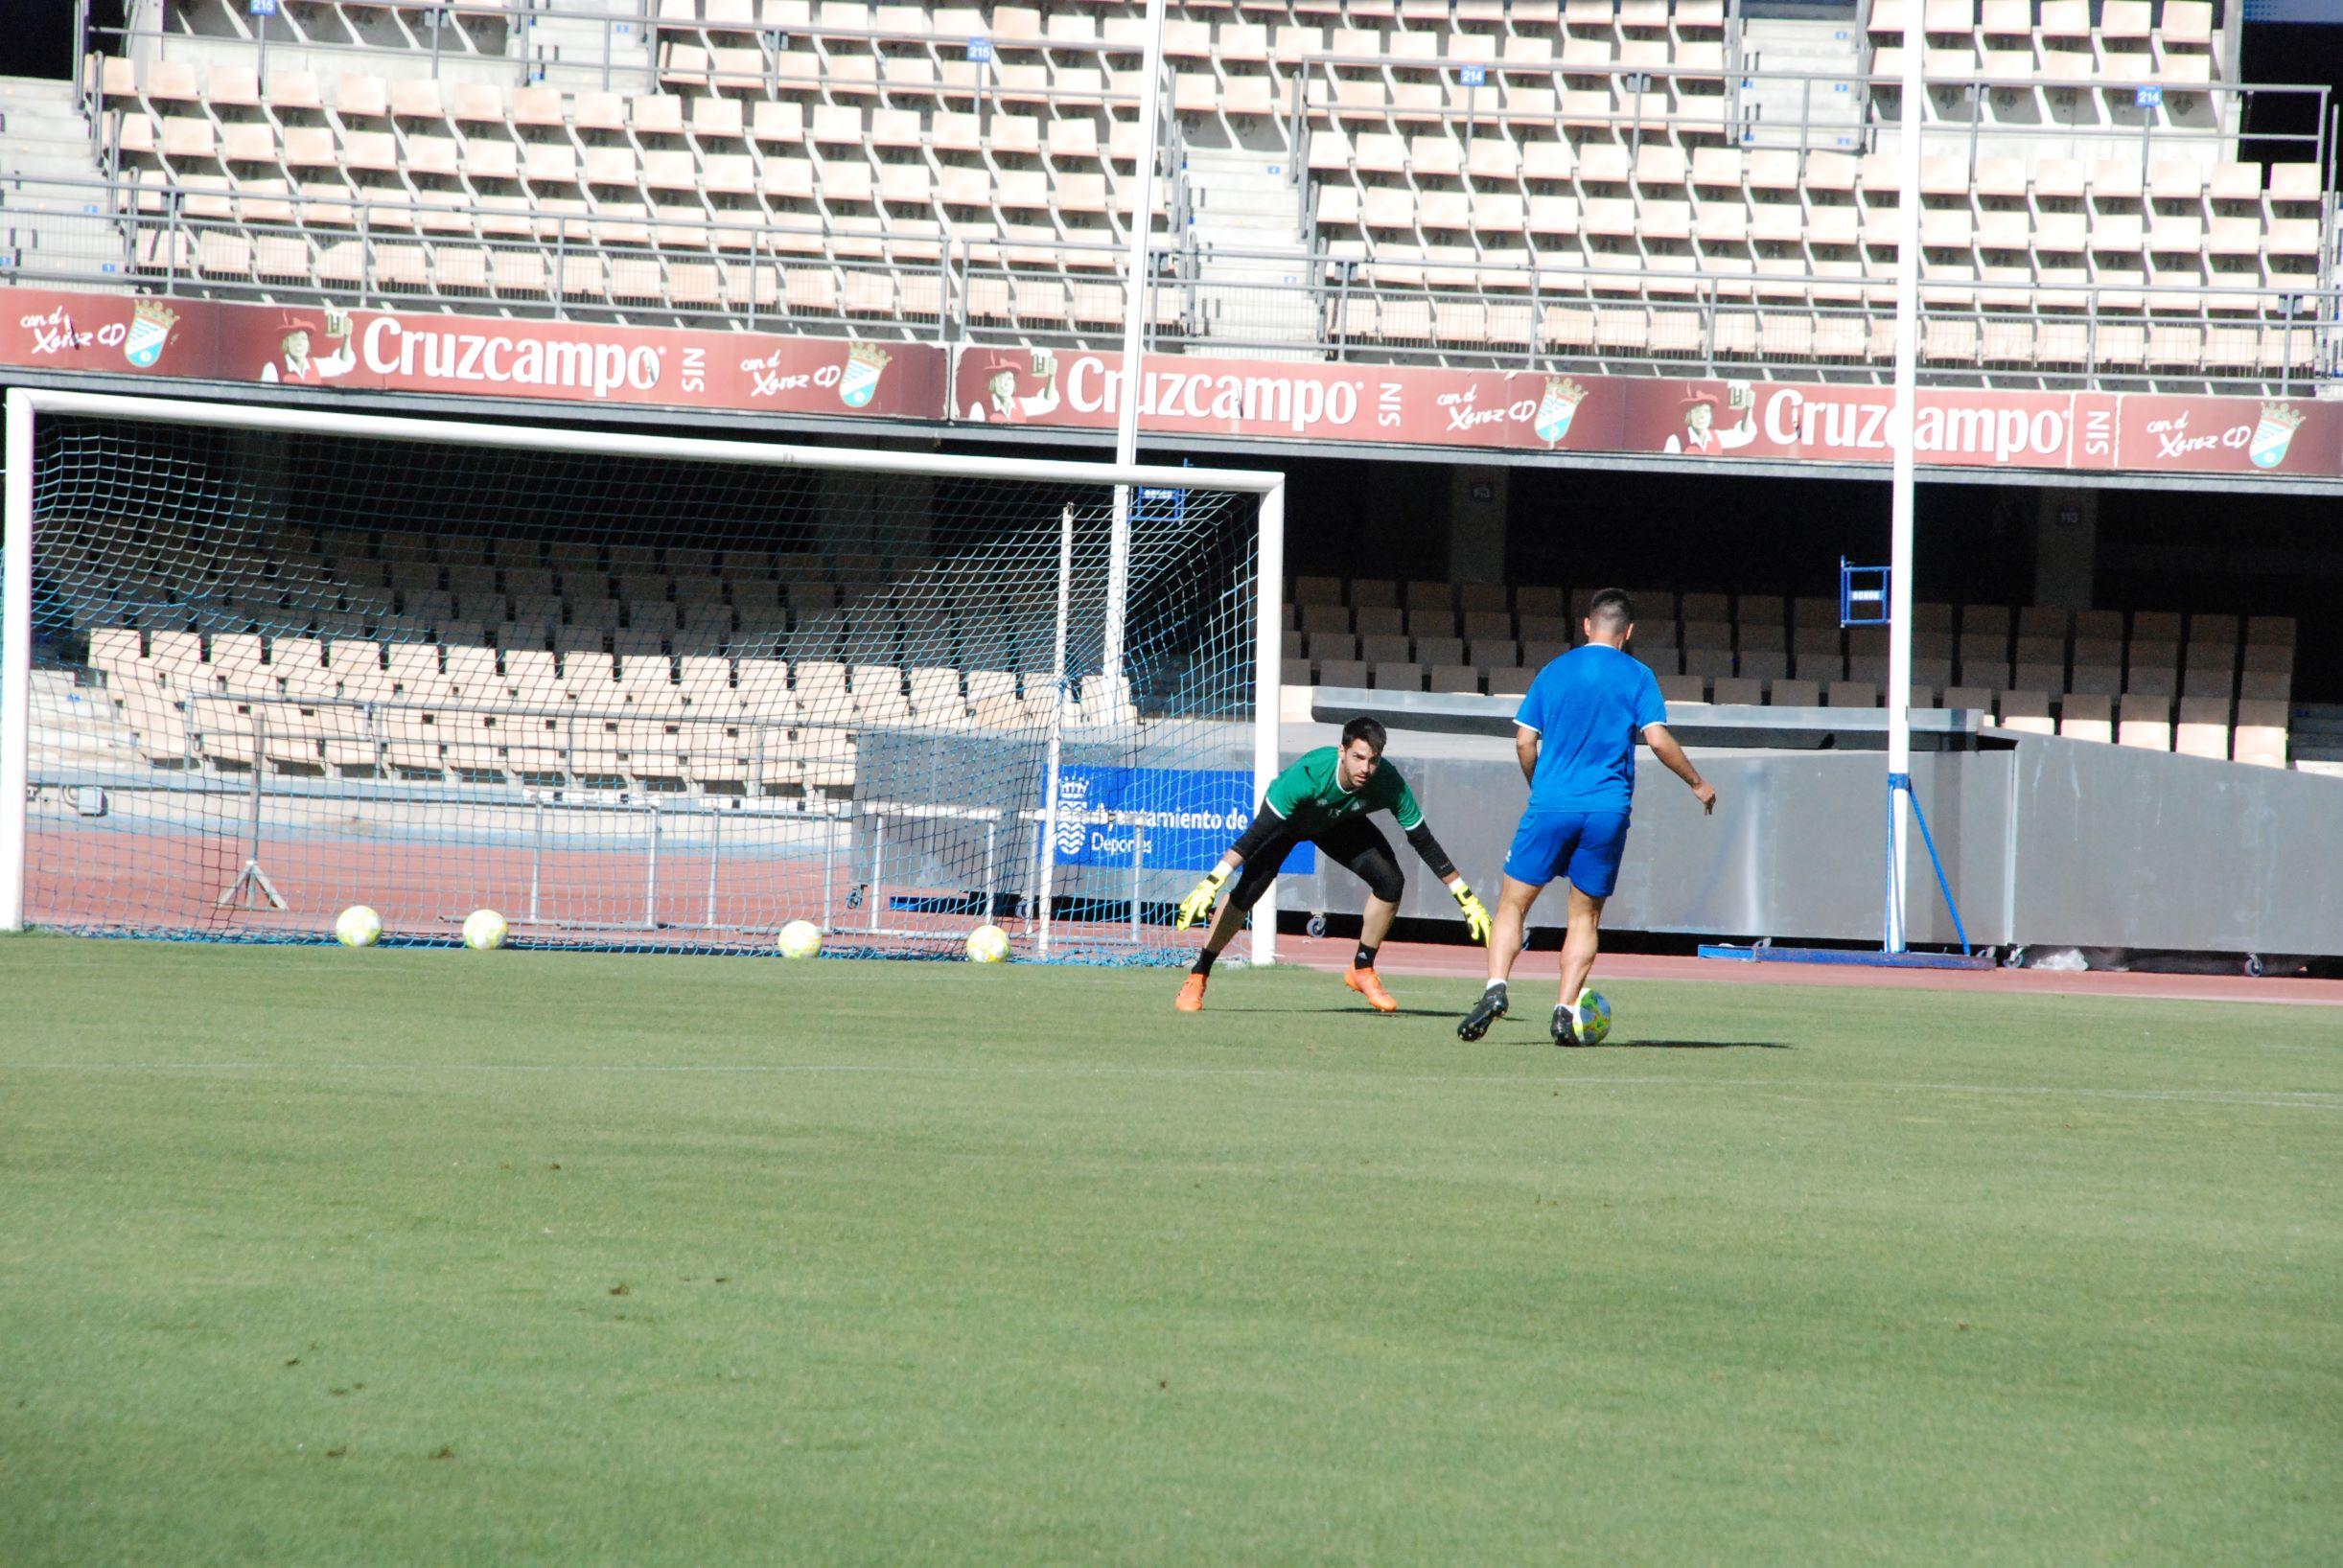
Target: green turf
{"points": [[319, 1258]]}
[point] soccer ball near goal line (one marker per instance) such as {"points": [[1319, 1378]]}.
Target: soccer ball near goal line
{"points": [[358, 925], [485, 930], [988, 944], [800, 940]]}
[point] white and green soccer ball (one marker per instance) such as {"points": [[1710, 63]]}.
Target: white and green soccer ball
{"points": [[1593, 1017], [485, 930], [988, 944], [358, 925], [800, 940]]}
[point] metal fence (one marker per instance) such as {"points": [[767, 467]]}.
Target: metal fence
{"points": [[1068, 294]]}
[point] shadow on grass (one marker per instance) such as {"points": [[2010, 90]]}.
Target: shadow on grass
{"points": [[1337, 1009], [1687, 1045]]}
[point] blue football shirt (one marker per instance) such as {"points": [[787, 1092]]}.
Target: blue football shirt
{"points": [[1588, 707]]}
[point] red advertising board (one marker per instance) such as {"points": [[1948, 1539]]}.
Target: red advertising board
{"points": [[478, 357], [1553, 411], [1518, 410]]}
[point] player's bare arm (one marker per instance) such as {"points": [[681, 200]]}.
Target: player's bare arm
{"points": [[1672, 757]]}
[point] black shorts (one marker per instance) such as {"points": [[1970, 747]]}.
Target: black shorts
{"points": [[1354, 843]]}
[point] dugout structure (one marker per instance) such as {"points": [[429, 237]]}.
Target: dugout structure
{"points": [[631, 691]]}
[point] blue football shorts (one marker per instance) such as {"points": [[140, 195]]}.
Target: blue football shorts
{"points": [[1584, 846]]}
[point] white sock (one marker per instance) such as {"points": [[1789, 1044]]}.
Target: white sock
{"points": [[1495, 985]]}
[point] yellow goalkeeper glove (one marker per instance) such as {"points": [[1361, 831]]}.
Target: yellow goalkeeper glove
{"points": [[1475, 913], [1199, 903]]}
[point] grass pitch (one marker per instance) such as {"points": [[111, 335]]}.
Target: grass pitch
{"points": [[324, 1258]]}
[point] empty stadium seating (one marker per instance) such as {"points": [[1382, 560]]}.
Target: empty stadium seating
{"points": [[2207, 684], [731, 671], [1583, 178]]}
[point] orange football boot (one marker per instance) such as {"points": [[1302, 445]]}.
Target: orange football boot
{"points": [[1369, 984], [1191, 995]]}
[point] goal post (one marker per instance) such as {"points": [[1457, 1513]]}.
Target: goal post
{"points": [[632, 690]]}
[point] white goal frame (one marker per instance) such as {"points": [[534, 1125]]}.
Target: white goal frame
{"points": [[25, 405]]}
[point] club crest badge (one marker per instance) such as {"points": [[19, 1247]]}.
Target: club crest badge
{"points": [[2273, 434], [1556, 408], [1073, 808], [150, 325], [866, 364]]}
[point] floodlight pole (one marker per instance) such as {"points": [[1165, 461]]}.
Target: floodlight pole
{"points": [[1134, 336], [1899, 508], [15, 657]]}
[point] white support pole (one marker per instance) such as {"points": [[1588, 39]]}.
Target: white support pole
{"points": [[1134, 337], [15, 657], [1899, 508], [1057, 729], [1268, 674]]}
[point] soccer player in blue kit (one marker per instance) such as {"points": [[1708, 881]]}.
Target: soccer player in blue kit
{"points": [[1575, 734]]}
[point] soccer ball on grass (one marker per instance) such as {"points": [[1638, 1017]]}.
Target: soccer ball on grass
{"points": [[800, 940], [1593, 1017], [485, 930], [358, 925], [988, 944]]}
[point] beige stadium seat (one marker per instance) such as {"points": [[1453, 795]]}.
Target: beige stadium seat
{"points": [[2027, 711], [2260, 737], [2203, 728], [2086, 716], [1440, 651], [2144, 720], [1852, 694], [1454, 678], [1683, 688], [1736, 689], [1342, 672], [1392, 674]]}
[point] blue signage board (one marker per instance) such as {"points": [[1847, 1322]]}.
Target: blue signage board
{"points": [[980, 50], [2147, 98], [1473, 76], [1183, 818], [263, 8]]}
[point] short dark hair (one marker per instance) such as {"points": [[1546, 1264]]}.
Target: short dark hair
{"points": [[1612, 609], [1364, 730]]}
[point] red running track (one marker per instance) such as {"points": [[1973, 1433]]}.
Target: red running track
{"points": [[1537, 970]]}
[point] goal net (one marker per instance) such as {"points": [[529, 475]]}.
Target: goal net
{"points": [[629, 691]]}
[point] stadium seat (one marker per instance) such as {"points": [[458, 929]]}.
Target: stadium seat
{"points": [[1852, 694], [2144, 720], [2203, 727], [1793, 693], [2261, 734], [2085, 716]]}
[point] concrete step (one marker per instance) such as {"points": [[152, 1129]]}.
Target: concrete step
{"points": [[1279, 201], [36, 89], [34, 166], [1259, 230], [41, 200]]}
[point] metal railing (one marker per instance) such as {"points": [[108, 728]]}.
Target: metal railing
{"points": [[1473, 94], [1541, 311]]}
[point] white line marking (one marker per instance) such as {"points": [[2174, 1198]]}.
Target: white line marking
{"points": [[2305, 1099]]}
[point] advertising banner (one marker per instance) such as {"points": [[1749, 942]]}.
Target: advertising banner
{"points": [[1309, 400], [1184, 819], [1658, 416], [325, 346]]}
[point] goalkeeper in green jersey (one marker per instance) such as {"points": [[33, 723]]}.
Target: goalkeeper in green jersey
{"points": [[1325, 799]]}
